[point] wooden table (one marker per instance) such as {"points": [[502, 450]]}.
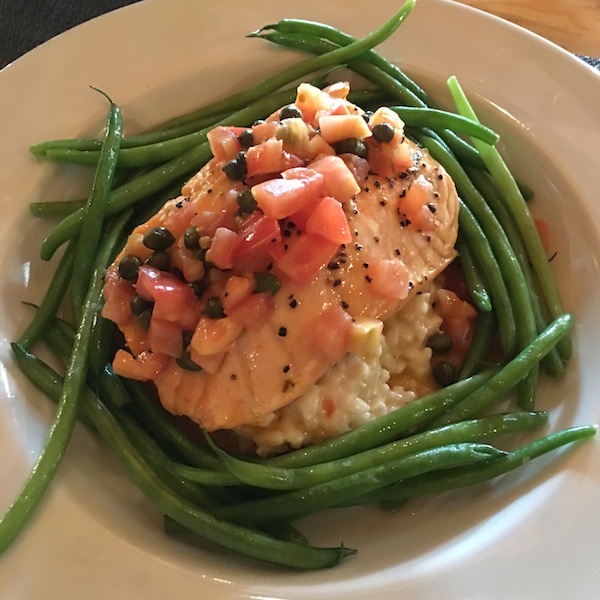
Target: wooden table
{"points": [[572, 24]]}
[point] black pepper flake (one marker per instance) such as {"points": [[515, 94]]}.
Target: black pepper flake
{"points": [[233, 377], [440, 176], [286, 368], [366, 265], [376, 239], [431, 207], [332, 266], [552, 257], [403, 193], [367, 189], [269, 266], [411, 285], [383, 203], [285, 247], [291, 224], [368, 278], [355, 210], [358, 246], [377, 184], [397, 251], [337, 282], [282, 331], [293, 303], [286, 233], [288, 384], [345, 305], [179, 204], [209, 191]]}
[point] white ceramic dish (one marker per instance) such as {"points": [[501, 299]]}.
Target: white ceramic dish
{"points": [[532, 535]]}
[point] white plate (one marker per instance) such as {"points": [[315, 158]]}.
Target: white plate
{"points": [[532, 535]]}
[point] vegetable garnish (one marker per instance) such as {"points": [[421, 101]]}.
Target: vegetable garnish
{"points": [[278, 243]]}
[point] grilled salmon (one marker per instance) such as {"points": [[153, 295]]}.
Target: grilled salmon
{"points": [[240, 294]]}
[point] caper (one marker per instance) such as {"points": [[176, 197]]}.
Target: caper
{"points": [[191, 239], [159, 260], [144, 318], [443, 373], [246, 201], [355, 146], [138, 305], [236, 169], [185, 362], [158, 238], [291, 111], [266, 282], [246, 139], [383, 132], [129, 266], [214, 308], [439, 342], [186, 337]]}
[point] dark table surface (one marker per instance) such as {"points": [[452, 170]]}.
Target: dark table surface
{"points": [[25, 24]]}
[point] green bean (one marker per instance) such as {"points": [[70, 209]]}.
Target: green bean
{"points": [[297, 503], [169, 149], [553, 362], [437, 483], [35, 486], [482, 252], [383, 80], [209, 477], [52, 300], [60, 208], [511, 272], [385, 428], [520, 212], [129, 193], [93, 212], [239, 539], [280, 478], [477, 356], [160, 423], [509, 375], [477, 290], [326, 32]]}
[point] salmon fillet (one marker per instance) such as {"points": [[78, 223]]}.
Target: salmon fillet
{"points": [[267, 365]]}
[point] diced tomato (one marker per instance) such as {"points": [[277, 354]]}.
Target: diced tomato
{"points": [[338, 179], [223, 143], [236, 289], [336, 127], [311, 99], [318, 147], [388, 278], [117, 295], [300, 218], [261, 132], [359, 167], [145, 367], [330, 332], [187, 262], [544, 233], [258, 235], [279, 198], [458, 319], [402, 159], [306, 256], [253, 311], [222, 248], [329, 221], [270, 157], [450, 305], [386, 115], [174, 301], [213, 336], [338, 89], [165, 337], [415, 203]]}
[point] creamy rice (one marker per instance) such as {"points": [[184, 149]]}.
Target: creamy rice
{"points": [[359, 388]]}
